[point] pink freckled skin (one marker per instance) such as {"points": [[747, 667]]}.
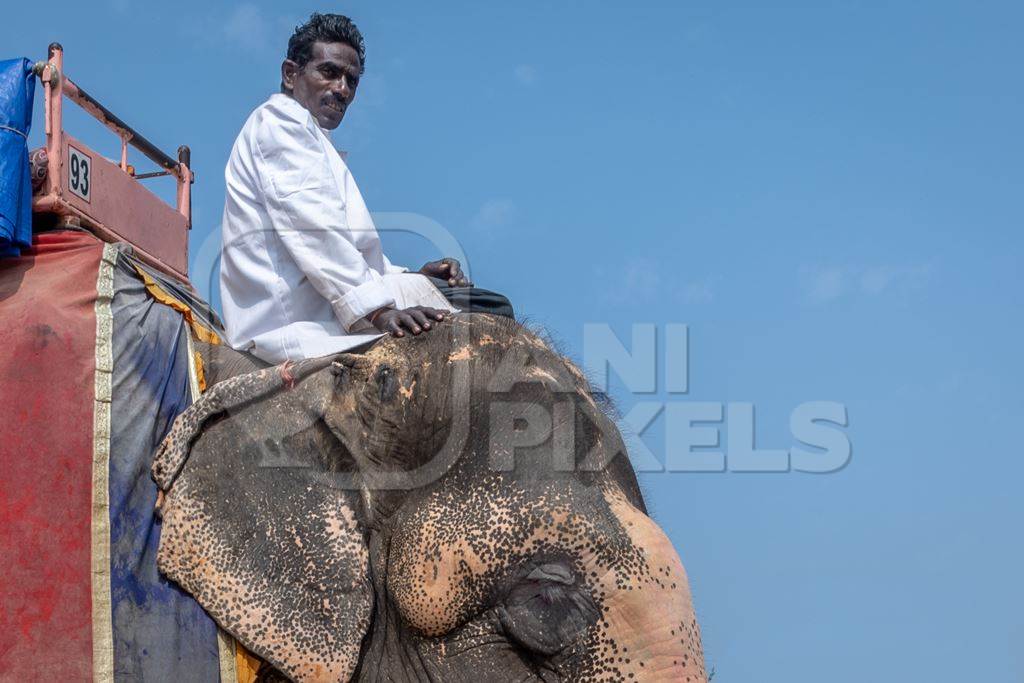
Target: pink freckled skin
{"points": [[642, 620]]}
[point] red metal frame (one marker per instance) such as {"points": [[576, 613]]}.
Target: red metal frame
{"points": [[117, 208]]}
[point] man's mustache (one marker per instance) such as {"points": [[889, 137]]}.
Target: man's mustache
{"points": [[336, 102]]}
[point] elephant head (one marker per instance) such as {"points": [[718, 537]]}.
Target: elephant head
{"points": [[448, 507]]}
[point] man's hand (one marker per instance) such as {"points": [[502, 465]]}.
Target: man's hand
{"points": [[447, 269], [415, 319]]}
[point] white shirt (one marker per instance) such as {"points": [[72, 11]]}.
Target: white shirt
{"points": [[301, 261]]}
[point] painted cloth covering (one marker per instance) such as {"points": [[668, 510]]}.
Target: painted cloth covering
{"points": [[94, 372], [17, 85]]}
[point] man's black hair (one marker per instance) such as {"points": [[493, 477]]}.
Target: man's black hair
{"points": [[326, 28]]}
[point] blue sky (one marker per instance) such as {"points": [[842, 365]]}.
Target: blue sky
{"points": [[828, 193]]}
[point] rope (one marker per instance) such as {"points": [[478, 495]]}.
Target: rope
{"points": [[14, 130], [286, 374]]}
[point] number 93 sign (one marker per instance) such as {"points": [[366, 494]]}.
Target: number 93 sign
{"points": [[79, 173]]}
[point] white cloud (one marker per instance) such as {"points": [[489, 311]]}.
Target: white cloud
{"points": [[636, 279], [642, 279], [880, 279], [699, 292], [493, 213], [525, 74], [247, 27], [822, 284]]}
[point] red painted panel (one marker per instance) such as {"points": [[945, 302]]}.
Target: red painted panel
{"points": [[125, 207], [47, 361]]}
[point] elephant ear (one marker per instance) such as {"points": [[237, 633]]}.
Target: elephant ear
{"points": [[255, 527]]}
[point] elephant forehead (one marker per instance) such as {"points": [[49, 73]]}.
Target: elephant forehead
{"points": [[448, 557]]}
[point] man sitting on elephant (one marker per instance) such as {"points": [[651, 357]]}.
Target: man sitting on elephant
{"points": [[303, 273]]}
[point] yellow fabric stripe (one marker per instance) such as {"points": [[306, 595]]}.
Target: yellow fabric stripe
{"points": [[197, 361], [102, 619], [202, 333]]}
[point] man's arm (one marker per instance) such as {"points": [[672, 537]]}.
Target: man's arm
{"points": [[307, 209]]}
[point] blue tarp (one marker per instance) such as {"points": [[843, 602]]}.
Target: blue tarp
{"points": [[17, 85]]}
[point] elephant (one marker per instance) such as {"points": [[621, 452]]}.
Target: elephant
{"points": [[453, 506]]}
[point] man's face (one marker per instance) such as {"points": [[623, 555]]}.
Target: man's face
{"points": [[327, 84]]}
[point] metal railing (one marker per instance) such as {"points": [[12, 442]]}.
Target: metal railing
{"points": [[57, 84]]}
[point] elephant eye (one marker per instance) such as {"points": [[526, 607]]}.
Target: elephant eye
{"points": [[548, 609]]}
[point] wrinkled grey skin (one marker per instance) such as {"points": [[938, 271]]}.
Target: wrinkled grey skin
{"points": [[390, 516], [222, 362]]}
